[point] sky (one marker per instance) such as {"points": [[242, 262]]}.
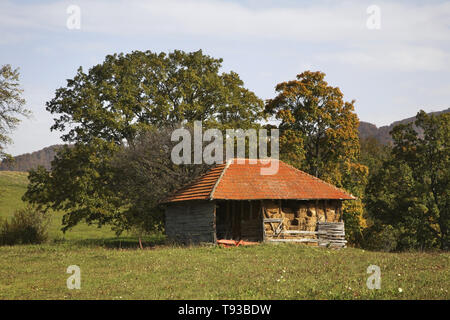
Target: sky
{"points": [[391, 57]]}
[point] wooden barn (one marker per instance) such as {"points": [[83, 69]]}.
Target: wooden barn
{"points": [[235, 201]]}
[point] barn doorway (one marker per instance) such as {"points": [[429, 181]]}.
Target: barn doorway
{"points": [[239, 220]]}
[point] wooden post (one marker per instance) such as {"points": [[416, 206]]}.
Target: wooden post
{"points": [[281, 213], [233, 219], [228, 220], [214, 224], [262, 220]]}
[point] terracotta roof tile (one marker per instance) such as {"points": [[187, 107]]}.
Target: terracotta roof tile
{"points": [[200, 188], [235, 181]]}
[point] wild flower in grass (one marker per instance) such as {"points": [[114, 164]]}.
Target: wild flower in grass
{"points": [[281, 279], [400, 290]]}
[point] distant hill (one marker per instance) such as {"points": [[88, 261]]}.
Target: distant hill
{"points": [[367, 129], [45, 156], [29, 161]]}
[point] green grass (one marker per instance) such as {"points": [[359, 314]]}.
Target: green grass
{"points": [[165, 272], [260, 272], [13, 185]]}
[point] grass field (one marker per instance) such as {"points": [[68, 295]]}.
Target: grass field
{"points": [[260, 272], [166, 272], [13, 185]]}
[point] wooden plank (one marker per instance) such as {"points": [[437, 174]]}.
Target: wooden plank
{"points": [[278, 231], [332, 234], [262, 220], [215, 223], [293, 240], [273, 220], [299, 232]]}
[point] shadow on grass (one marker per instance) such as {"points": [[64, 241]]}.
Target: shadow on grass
{"points": [[118, 242]]}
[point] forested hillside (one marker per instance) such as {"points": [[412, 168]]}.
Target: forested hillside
{"points": [[367, 129], [32, 160]]}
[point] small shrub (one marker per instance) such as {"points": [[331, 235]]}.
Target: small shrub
{"points": [[27, 226], [381, 237]]}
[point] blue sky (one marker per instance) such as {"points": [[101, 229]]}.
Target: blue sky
{"points": [[391, 72]]}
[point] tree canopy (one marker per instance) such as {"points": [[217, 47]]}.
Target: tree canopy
{"points": [[327, 124], [411, 191], [106, 114], [319, 130], [128, 93], [12, 104]]}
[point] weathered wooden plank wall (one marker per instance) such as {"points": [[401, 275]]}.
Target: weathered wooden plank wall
{"points": [[271, 220], [191, 222], [331, 234]]}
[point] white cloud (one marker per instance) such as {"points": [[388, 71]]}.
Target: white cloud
{"points": [[412, 37], [330, 22], [440, 91], [392, 57]]}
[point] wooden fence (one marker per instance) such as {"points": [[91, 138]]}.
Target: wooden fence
{"points": [[328, 234]]}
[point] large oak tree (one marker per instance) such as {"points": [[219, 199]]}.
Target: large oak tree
{"points": [[105, 111]]}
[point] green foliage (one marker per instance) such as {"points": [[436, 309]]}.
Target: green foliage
{"points": [[145, 175], [381, 238], [26, 226], [411, 191], [81, 183], [373, 154], [291, 148], [11, 104], [127, 94]]}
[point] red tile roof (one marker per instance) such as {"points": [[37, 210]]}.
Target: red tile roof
{"points": [[244, 181]]}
